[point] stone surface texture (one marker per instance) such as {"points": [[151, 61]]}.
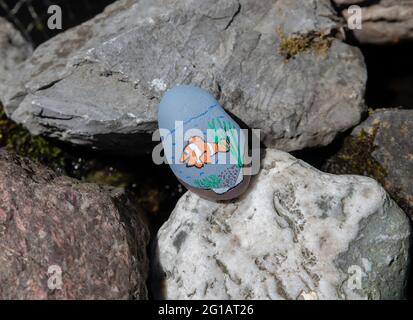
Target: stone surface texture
{"points": [[386, 139], [100, 83], [52, 226], [14, 49], [384, 21], [297, 233]]}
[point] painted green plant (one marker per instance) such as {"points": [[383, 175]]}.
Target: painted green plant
{"points": [[227, 130], [209, 182]]}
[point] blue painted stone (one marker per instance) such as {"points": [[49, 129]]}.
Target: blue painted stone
{"points": [[204, 160]]}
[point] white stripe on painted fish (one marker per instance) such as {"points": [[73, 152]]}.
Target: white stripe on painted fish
{"points": [[198, 152]]}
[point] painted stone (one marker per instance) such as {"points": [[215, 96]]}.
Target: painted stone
{"points": [[203, 145]]}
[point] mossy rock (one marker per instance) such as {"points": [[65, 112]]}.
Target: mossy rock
{"points": [[355, 156], [381, 148], [291, 46], [16, 138]]}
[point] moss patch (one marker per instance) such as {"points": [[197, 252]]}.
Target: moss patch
{"points": [[14, 137], [355, 157], [290, 46]]}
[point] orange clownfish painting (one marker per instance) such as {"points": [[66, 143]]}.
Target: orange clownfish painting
{"points": [[198, 152]]}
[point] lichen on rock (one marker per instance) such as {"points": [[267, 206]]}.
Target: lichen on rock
{"points": [[291, 46], [356, 156]]}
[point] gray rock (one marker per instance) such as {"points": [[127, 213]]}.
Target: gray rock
{"points": [[51, 226], [297, 233], [381, 147], [384, 21], [100, 83], [13, 51]]}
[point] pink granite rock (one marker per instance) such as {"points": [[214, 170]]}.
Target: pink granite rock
{"points": [[96, 237]]}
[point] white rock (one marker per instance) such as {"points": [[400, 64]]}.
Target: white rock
{"points": [[297, 233]]}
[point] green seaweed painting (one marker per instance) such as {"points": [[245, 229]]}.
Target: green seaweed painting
{"points": [[209, 182], [227, 130]]}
